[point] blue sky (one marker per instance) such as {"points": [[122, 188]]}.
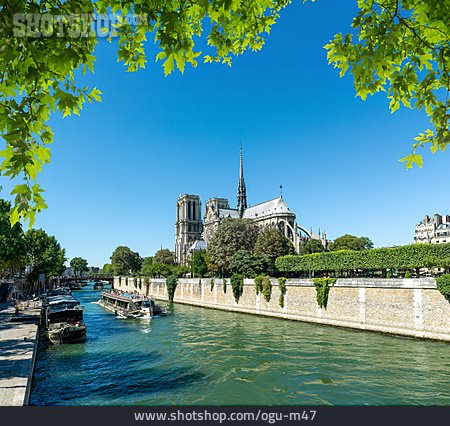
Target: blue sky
{"points": [[117, 170]]}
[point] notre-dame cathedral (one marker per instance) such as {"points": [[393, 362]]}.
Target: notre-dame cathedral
{"points": [[193, 233]]}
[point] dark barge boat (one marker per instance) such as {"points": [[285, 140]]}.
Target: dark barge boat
{"points": [[62, 317], [128, 305]]}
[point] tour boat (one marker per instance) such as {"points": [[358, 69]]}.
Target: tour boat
{"points": [[62, 317], [131, 305]]}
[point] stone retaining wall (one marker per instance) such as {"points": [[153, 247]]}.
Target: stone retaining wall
{"points": [[408, 307]]}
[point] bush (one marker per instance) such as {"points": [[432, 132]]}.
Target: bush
{"points": [[407, 274], [443, 285], [171, 283], [237, 284], [266, 288], [323, 289], [258, 284], [282, 286]]}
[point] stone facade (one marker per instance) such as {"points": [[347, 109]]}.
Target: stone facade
{"points": [[189, 226], [435, 230], [407, 307]]}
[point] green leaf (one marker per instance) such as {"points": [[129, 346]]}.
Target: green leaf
{"points": [[412, 159]]}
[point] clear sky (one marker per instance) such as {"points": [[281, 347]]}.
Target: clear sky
{"points": [[117, 170]]}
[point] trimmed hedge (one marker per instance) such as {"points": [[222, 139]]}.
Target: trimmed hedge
{"points": [[403, 257], [443, 284]]}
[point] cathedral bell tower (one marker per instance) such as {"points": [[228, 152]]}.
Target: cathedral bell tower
{"points": [[189, 226], [242, 189]]}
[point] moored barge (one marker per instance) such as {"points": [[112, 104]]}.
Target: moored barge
{"points": [[62, 317], [131, 305]]}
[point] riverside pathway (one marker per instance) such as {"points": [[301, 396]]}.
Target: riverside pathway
{"points": [[18, 345]]}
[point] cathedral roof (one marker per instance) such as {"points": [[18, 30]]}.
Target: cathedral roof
{"points": [[225, 213], [198, 245], [273, 207]]}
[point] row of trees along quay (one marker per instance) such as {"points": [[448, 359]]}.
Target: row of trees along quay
{"points": [[397, 47], [239, 250], [32, 255]]}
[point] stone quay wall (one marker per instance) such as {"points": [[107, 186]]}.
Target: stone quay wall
{"points": [[406, 307]]}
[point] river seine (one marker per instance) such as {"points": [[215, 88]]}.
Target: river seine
{"points": [[207, 357]]}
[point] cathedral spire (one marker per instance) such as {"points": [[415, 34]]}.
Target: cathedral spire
{"points": [[242, 190]]}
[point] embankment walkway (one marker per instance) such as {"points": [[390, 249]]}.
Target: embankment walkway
{"points": [[18, 346]]}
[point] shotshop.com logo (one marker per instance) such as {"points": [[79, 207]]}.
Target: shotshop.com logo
{"points": [[74, 25]]}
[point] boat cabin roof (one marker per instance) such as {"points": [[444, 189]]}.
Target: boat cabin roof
{"points": [[62, 299]]}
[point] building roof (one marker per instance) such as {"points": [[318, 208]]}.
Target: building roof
{"points": [[225, 213], [199, 245], [268, 208]]}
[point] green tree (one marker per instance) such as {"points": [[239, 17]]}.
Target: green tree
{"points": [[180, 270], [350, 242], [147, 267], [272, 244], [231, 236], [79, 265], [45, 254], [250, 265], [398, 46], [42, 69], [199, 267], [161, 270], [13, 249], [124, 261], [164, 256], [311, 246], [402, 47], [368, 243], [107, 269]]}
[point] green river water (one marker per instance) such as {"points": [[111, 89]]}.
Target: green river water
{"points": [[208, 357]]}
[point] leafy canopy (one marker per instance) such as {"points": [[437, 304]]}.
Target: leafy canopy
{"points": [[199, 267], [402, 47], [231, 236], [107, 269], [164, 256], [311, 246], [151, 268], [13, 249], [350, 242], [40, 76], [79, 265], [124, 261], [272, 243], [398, 46], [45, 254], [250, 265]]}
